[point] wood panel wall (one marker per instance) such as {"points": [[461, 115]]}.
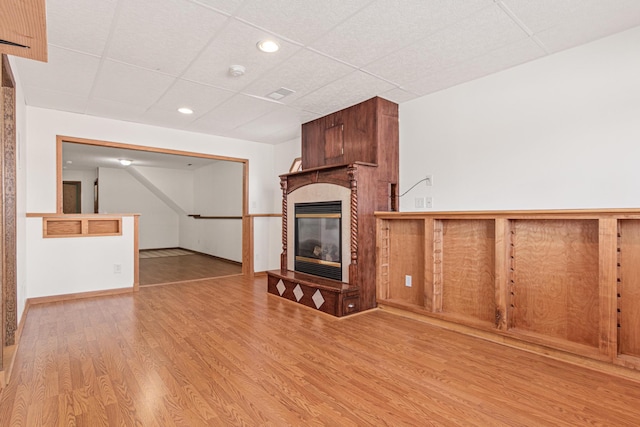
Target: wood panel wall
{"points": [[567, 280]]}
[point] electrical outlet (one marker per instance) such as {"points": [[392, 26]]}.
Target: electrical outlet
{"points": [[419, 202], [117, 268], [407, 281], [428, 202], [429, 180]]}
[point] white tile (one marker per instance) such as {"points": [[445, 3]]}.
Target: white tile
{"points": [[130, 85], [199, 97], [225, 6], [162, 35], [89, 29], [297, 292], [44, 98], [492, 62], [540, 15], [585, 29], [302, 21], [355, 87], [390, 25], [318, 299], [281, 287], [233, 113], [279, 121], [67, 71], [398, 95], [304, 72], [114, 110], [236, 44]]}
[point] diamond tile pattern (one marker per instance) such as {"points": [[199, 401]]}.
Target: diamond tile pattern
{"points": [[317, 298], [281, 287], [297, 292], [139, 60]]}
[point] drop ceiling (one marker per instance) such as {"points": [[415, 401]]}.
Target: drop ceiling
{"points": [[140, 60]]}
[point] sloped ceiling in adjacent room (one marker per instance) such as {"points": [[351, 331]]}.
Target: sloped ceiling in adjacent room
{"points": [[140, 60]]}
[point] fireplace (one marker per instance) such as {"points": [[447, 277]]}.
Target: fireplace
{"points": [[318, 241]]}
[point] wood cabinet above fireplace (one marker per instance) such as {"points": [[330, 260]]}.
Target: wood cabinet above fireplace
{"points": [[366, 132]]}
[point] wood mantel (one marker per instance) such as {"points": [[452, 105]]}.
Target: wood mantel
{"points": [[562, 279]]}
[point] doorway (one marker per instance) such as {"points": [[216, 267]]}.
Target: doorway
{"points": [[72, 197], [238, 220]]}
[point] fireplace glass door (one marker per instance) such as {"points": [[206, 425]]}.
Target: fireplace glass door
{"points": [[318, 240]]}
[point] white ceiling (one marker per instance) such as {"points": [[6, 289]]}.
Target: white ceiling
{"points": [[139, 60], [77, 156]]}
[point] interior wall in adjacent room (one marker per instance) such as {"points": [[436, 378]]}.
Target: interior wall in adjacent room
{"points": [[120, 192], [558, 132]]}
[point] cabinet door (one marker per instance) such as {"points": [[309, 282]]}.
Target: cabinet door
{"points": [[334, 144]]}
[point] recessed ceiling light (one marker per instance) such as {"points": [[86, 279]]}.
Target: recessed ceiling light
{"points": [[268, 46], [185, 110], [125, 162]]}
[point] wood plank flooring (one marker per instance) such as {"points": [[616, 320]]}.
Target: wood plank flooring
{"points": [[195, 266], [223, 352]]}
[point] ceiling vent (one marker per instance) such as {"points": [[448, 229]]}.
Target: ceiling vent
{"points": [[280, 93]]}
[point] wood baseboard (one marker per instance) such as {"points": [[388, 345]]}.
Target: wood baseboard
{"points": [[9, 353], [259, 274], [552, 353], [79, 295]]}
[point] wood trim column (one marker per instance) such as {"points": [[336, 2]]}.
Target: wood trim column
{"points": [[8, 188], [502, 264], [352, 172], [608, 278], [283, 255]]}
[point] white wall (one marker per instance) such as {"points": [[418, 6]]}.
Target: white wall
{"points": [[119, 192], [59, 266], [176, 184], [217, 191], [41, 129], [559, 132], [87, 178]]}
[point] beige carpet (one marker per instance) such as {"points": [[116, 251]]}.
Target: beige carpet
{"points": [[160, 253]]}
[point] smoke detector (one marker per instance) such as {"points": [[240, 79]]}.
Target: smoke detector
{"points": [[237, 70]]}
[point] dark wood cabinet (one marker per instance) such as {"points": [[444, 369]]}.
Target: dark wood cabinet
{"points": [[355, 148]]}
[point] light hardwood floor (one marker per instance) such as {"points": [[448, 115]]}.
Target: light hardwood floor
{"points": [[196, 266], [223, 352]]}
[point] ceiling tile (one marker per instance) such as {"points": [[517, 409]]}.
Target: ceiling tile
{"points": [[130, 85], [302, 21], [580, 30], [168, 118], [355, 87], [387, 26], [200, 98], [487, 30], [67, 71], [398, 95], [168, 42], [236, 45], [233, 113], [90, 28], [114, 110], [540, 15], [304, 72], [281, 118], [225, 6], [44, 98], [492, 62]]}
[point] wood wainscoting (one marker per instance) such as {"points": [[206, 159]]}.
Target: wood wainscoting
{"points": [[563, 280]]}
